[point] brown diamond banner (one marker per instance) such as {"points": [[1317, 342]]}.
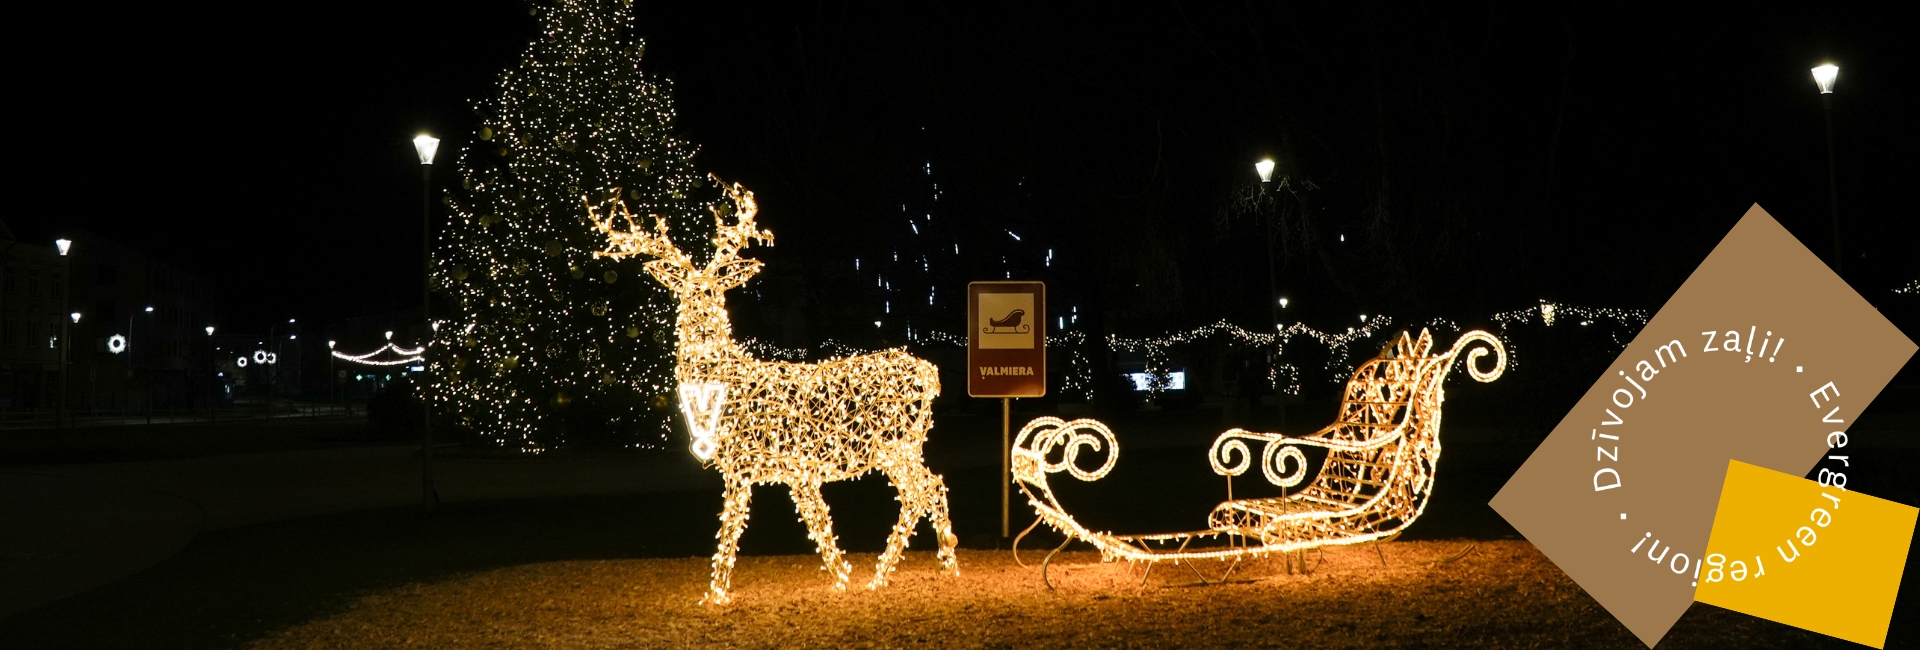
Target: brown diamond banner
{"points": [[1759, 356]]}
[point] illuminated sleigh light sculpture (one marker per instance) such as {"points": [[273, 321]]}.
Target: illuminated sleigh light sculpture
{"points": [[1379, 470], [795, 424]]}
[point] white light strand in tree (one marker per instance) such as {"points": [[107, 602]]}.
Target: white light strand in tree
{"points": [[1078, 380], [774, 422]]}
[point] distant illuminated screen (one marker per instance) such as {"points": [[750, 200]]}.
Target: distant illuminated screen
{"points": [[1176, 380]]}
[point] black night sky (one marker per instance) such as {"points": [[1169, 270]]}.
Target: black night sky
{"points": [[1475, 158]]}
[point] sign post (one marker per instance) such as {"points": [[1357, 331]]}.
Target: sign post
{"points": [[1006, 358]]}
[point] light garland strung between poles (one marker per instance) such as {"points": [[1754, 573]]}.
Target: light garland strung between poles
{"points": [[776, 422], [1283, 376], [408, 356]]}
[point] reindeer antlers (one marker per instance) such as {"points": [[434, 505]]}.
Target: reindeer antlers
{"points": [[728, 239]]}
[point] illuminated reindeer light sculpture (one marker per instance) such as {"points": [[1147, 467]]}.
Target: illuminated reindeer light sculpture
{"points": [[797, 424]]}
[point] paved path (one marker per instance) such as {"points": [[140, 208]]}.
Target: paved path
{"points": [[65, 529]]}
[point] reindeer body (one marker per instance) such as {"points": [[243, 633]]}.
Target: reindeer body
{"points": [[820, 406], [794, 424]]}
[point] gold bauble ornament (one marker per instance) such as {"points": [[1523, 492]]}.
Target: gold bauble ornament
{"points": [[576, 271], [552, 248], [486, 133], [460, 273], [633, 331], [599, 309], [612, 277], [520, 267]]}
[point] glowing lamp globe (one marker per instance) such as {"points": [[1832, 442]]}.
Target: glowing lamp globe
{"points": [[75, 316], [1265, 167], [426, 145], [209, 330], [1824, 77], [63, 244]]}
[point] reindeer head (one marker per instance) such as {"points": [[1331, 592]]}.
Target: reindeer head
{"points": [[701, 289]]}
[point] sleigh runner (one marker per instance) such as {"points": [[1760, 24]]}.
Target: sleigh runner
{"points": [[1381, 452]]}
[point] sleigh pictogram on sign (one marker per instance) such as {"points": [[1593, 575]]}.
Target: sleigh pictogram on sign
{"points": [[1010, 324]]}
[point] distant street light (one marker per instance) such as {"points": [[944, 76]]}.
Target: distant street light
{"points": [[1824, 76], [66, 302], [425, 145], [1265, 168], [1283, 303]]}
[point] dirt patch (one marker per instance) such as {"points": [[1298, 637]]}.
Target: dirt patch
{"points": [[1502, 594]]}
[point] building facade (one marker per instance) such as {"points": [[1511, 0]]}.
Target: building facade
{"points": [[140, 344]]}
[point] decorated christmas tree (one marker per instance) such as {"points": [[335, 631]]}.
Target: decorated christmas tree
{"points": [[538, 344]]}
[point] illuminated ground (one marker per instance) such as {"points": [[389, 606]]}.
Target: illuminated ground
{"points": [[581, 560], [1502, 594]]}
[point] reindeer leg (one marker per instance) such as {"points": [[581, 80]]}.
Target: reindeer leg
{"points": [[921, 493], [733, 521], [942, 526], [813, 510]]}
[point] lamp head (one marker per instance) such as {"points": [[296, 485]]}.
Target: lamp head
{"points": [[1265, 168], [209, 330], [389, 335], [63, 245], [425, 145], [330, 344], [149, 309], [1283, 303], [1824, 77], [75, 316]]}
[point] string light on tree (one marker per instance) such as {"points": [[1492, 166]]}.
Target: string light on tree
{"points": [[537, 328]]}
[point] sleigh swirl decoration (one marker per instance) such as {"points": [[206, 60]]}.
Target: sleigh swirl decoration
{"points": [[1380, 456]]}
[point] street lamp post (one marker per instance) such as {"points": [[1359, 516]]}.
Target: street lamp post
{"points": [[67, 360], [127, 349], [333, 382], [425, 145], [66, 304], [1824, 76], [211, 370]]}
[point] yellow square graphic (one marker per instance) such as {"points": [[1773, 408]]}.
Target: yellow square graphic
{"points": [[1006, 321], [1847, 551]]}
